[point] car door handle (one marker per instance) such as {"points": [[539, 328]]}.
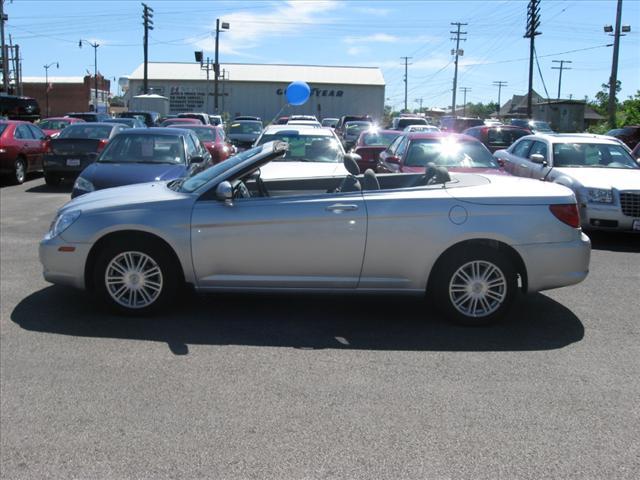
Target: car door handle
{"points": [[341, 207], [524, 165]]}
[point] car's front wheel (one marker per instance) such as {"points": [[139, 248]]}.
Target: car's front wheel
{"points": [[475, 286], [136, 278]]}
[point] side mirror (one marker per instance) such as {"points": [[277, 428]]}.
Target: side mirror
{"points": [[224, 191], [538, 158], [392, 159], [197, 159]]}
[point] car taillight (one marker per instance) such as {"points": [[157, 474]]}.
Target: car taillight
{"points": [[567, 213], [102, 143]]}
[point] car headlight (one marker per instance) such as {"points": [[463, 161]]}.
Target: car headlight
{"points": [[61, 223], [83, 184], [599, 195]]}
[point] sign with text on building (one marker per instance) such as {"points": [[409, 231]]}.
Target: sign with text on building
{"points": [[317, 92]]}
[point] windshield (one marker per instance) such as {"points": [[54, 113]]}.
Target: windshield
{"points": [[144, 149], [306, 148], [376, 138], [448, 153], [205, 134], [251, 128], [405, 122], [356, 128], [195, 182], [97, 132], [593, 155], [53, 124], [504, 136], [540, 126]]}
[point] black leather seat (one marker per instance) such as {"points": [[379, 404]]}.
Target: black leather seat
{"points": [[370, 181]]}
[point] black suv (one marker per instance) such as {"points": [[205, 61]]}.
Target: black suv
{"points": [[630, 135], [19, 108]]}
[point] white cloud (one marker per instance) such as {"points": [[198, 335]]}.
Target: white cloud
{"points": [[378, 12], [375, 38], [248, 30], [355, 50]]}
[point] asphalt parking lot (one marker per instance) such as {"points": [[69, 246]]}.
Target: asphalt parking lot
{"points": [[312, 386]]}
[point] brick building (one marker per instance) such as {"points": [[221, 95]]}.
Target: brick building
{"points": [[67, 94]]}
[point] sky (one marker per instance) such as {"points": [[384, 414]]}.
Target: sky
{"points": [[356, 33]]}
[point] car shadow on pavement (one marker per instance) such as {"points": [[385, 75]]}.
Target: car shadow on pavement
{"points": [[303, 321], [615, 241], [64, 187]]}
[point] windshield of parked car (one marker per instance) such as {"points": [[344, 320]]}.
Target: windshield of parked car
{"points": [[540, 126], [205, 134], [421, 128], [246, 127], [144, 149], [86, 130], [405, 122], [53, 124], [378, 139], [592, 155], [307, 147], [498, 136], [449, 153], [356, 128], [192, 184]]}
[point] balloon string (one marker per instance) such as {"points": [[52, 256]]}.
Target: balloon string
{"points": [[278, 114]]}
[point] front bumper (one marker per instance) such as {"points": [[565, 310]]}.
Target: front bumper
{"points": [[605, 217], [64, 267], [554, 265]]}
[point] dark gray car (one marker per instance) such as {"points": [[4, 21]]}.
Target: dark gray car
{"points": [[244, 133]]}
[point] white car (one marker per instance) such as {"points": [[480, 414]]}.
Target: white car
{"points": [[313, 152], [602, 173]]}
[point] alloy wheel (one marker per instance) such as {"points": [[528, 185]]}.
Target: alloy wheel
{"points": [[478, 288], [133, 279]]}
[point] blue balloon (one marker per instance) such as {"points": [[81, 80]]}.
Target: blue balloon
{"points": [[297, 93]]}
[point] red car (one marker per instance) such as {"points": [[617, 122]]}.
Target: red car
{"points": [[52, 126], [22, 146], [497, 137], [214, 140], [370, 144], [412, 151], [180, 122]]}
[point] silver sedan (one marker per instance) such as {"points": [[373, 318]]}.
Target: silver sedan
{"points": [[471, 241]]}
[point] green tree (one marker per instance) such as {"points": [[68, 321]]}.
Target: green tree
{"points": [[601, 103], [629, 111]]}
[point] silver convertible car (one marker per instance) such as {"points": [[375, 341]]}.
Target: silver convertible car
{"points": [[470, 241]]}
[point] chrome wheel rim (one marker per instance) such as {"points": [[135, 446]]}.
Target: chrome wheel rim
{"points": [[477, 288], [20, 171], [133, 279]]}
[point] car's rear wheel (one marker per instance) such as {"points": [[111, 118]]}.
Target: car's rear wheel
{"points": [[19, 171], [52, 179], [475, 286], [135, 278]]}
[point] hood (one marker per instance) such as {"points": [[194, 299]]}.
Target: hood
{"points": [[129, 197], [605, 178], [244, 137], [107, 175], [301, 170]]}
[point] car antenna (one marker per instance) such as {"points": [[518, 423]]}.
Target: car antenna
{"points": [[544, 178]]}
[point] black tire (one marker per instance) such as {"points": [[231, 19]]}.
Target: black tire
{"points": [[169, 277], [19, 171], [493, 297], [52, 179]]}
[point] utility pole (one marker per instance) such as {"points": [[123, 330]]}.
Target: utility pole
{"points": [[561, 67], [419, 100], [533, 22], [147, 15], [499, 84], [95, 46], [216, 66], [613, 79], [46, 82], [457, 53], [464, 105], [406, 79], [5, 64]]}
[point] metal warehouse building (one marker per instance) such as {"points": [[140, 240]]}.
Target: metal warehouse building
{"points": [[253, 89]]}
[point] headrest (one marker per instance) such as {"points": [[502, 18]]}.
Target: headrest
{"points": [[351, 165]]}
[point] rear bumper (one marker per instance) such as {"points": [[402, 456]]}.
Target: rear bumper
{"points": [[554, 265], [57, 164]]}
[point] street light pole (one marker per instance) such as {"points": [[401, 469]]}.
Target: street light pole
{"points": [[216, 66], [95, 46], [46, 83]]}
